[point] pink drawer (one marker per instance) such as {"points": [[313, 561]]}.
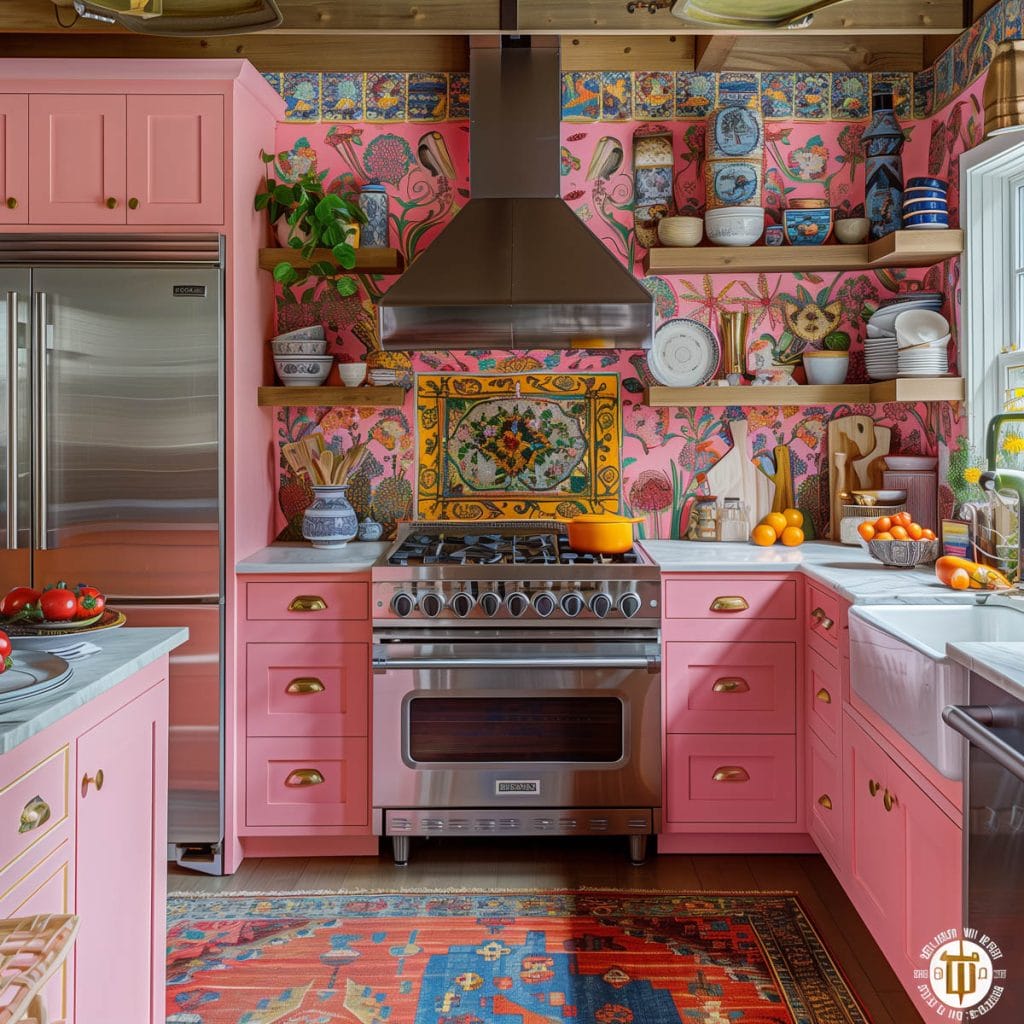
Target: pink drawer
{"points": [[731, 597], [730, 687], [823, 698], [730, 778], [825, 799], [825, 617], [33, 804], [307, 782], [306, 689], [307, 600]]}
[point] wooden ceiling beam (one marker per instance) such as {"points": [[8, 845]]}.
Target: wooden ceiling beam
{"points": [[627, 53], [828, 53], [712, 52]]}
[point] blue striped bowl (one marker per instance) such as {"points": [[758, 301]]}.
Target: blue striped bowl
{"points": [[925, 206], [927, 183]]}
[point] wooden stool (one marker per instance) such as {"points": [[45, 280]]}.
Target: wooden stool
{"points": [[31, 951]]}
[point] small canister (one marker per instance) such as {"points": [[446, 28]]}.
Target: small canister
{"points": [[373, 201]]}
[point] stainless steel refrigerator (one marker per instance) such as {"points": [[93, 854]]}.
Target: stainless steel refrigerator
{"points": [[112, 373]]}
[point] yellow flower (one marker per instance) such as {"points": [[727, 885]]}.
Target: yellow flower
{"points": [[972, 474], [1013, 444]]}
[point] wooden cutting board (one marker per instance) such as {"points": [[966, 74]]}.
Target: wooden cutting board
{"points": [[854, 437], [868, 471]]}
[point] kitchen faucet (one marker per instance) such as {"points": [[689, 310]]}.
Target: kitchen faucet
{"points": [[1012, 479]]}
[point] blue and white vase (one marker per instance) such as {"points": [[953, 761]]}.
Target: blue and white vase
{"points": [[373, 201], [883, 172], [330, 522]]}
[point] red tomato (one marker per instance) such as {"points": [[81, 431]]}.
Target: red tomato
{"points": [[17, 599], [5, 645], [90, 602], [58, 604]]}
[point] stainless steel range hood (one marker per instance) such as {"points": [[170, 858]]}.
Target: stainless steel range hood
{"points": [[516, 268]]}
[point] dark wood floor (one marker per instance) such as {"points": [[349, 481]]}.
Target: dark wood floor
{"points": [[566, 864]]}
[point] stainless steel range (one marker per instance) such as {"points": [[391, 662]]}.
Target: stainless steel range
{"points": [[516, 686]]}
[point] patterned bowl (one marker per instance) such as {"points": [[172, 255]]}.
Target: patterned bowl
{"points": [[303, 371], [315, 332], [904, 554], [811, 226], [734, 225], [298, 348]]}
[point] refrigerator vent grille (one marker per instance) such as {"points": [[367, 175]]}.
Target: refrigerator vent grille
{"points": [[40, 250]]}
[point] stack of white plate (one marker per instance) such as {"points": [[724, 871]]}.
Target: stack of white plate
{"points": [[922, 341], [883, 320], [880, 357]]}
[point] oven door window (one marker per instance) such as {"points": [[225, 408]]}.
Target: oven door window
{"points": [[516, 729]]}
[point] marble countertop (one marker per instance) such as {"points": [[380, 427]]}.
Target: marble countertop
{"points": [[300, 557], [122, 653], [1000, 663]]}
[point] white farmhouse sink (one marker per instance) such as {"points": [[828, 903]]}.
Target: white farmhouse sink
{"points": [[899, 668]]}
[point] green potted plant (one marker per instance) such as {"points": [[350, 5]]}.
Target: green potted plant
{"points": [[316, 219]]}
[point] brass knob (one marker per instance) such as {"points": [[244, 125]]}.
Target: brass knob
{"points": [[133, 203], [34, 813], [304, 777], [824, 696], [96, 779], [12, 203], [307, 603], [729, 604], [889, 800], [730, 773], [731, 686], [873, 787], [111, 203], [821, 619], [825, 801], [305, 684]]}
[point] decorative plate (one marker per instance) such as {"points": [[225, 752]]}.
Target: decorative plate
{"points": [[732, 183], [109, 619], [736, 131], [32, 673], [685, 354]]}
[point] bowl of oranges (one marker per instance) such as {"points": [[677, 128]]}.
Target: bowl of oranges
{"points": [[898, 541], [785, 527]]}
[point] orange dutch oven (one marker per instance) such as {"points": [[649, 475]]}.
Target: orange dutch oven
{"points": [[601, 533]]}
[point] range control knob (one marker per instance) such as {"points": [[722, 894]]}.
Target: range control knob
{"points": [[432, 604], [517, 603], [545, 603], [572, 604], [600, 604], [490, 602], [462, 603], [402, 604], [630, 604]]}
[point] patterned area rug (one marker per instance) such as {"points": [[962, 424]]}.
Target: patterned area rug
{"points": [[587, 957]]}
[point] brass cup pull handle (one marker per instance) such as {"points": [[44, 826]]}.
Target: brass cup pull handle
{"points": [[889, 800], [874, 787], [825, 801], [304, 777], [305, 684], [307, 603], [34, 814], [731, 685], [88, 780], [111, 203], [821, 619], [12, 203], [730, 773], [730, 603], [133, 203], [824, 696]]}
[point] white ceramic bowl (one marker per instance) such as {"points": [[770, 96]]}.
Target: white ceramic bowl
{"points": [[910, 463], [680, 231], [879, 497], [826, 367], [920, 326], [352, 374], [851, 230], [315, 332], [734, 225], [299, 348], [303, 371]]}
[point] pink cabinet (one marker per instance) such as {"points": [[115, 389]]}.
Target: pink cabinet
{"points": [[823, 698], [738, 598], [13, 159], [825, 802], [76, 158]]}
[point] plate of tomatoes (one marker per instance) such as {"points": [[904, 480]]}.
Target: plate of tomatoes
{"points": [[56, 609]]}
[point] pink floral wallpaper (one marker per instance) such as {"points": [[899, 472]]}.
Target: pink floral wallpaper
{"points": [[665, 452]]}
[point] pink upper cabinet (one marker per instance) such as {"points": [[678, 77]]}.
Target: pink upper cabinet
{"points": [[13, 159], [175, 160]]}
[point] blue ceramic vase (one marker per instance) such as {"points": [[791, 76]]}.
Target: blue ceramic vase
{"points": [[373, 201], [883, 172], [330, 522]]}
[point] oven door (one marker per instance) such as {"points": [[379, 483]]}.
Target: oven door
{"points": [[516, 724]]}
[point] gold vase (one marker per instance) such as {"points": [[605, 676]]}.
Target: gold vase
{"points": [[732, 326], [1004, 88]]}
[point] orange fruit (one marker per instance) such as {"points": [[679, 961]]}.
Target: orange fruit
{"points": [[866, 530], [899, 533], [791, 536], [764, 535], [927, 534], [914, 531], [960, 580], [883, 524], [884, 535], [776, 520], [902, 519], [794, 517]]}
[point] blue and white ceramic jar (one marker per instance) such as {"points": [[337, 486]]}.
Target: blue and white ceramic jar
{"points": [[883, 172], [373, 201], [370, 529], [330, 522]]}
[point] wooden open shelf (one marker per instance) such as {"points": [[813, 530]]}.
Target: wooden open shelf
{"points": [[900, 249], [368, 261], [907, 389], [363, 397]]}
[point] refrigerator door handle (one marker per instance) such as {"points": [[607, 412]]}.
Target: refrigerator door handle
{"points": [[39, 418], [12, 421]]}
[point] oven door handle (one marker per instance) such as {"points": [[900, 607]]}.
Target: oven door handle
{"points": [[971, 722], [382, 663]]}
